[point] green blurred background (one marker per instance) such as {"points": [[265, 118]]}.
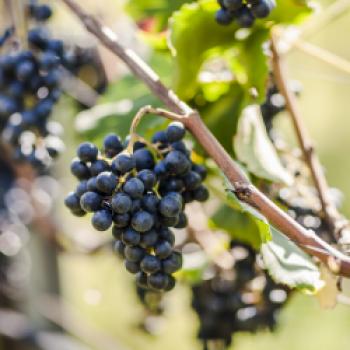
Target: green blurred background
{"points": [[101, 292]]}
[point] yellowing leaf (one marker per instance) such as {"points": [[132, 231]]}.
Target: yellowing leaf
{"points": [[289, 265], [327, 296]]}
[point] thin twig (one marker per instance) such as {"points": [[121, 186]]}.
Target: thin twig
{"points": [[141, 113], [329, 14], [306, 239], [312, 50], [140, 69], [333, 218], [323, 55]]}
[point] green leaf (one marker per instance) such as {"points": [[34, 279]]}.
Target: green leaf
{"points": [[290, 11], [254, 62], [254, 148], [195, 38], [117, 108], [238, 225], [193, 31], [289, 265], [222, 116], [161, 10]]}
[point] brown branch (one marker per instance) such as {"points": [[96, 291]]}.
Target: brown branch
{"points": [[306, 239], [139, 68], [335, 221]]}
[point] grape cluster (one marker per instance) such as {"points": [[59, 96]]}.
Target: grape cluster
{"points": [[275, 103], [20, 202], [142, 196], [303, 206], [243, 301], [39, 12], [29, 89], [244, 12]]}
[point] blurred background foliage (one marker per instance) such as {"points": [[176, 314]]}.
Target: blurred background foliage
{"points": [[96, 286]]}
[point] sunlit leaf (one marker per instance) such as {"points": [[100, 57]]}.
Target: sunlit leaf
{"points": [[290, 11], [254, 148], [289, 265], [193, 31]]}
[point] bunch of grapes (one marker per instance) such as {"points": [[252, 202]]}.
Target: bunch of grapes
{"points": [[302, 203], [243, 300], [29, 89], [275, 103], [244, 12], [142, 196], [39, 12], [20, 203]]}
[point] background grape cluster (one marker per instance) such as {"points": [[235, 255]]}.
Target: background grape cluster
{"points": [[20, 201], [244, 12], [30, 87], [142, 196], [245, 299]]}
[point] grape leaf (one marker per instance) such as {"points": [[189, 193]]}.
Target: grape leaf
{"points": [[195, 37], [289, 265], [254, 148], [254, 62], [116, 108], [290, 11], [239, 225], [222, 116], [161, 10], [327, 296]]}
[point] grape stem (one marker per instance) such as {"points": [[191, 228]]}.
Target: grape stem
{"points": [[138, 117], [335, 221], [305, 239]]}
